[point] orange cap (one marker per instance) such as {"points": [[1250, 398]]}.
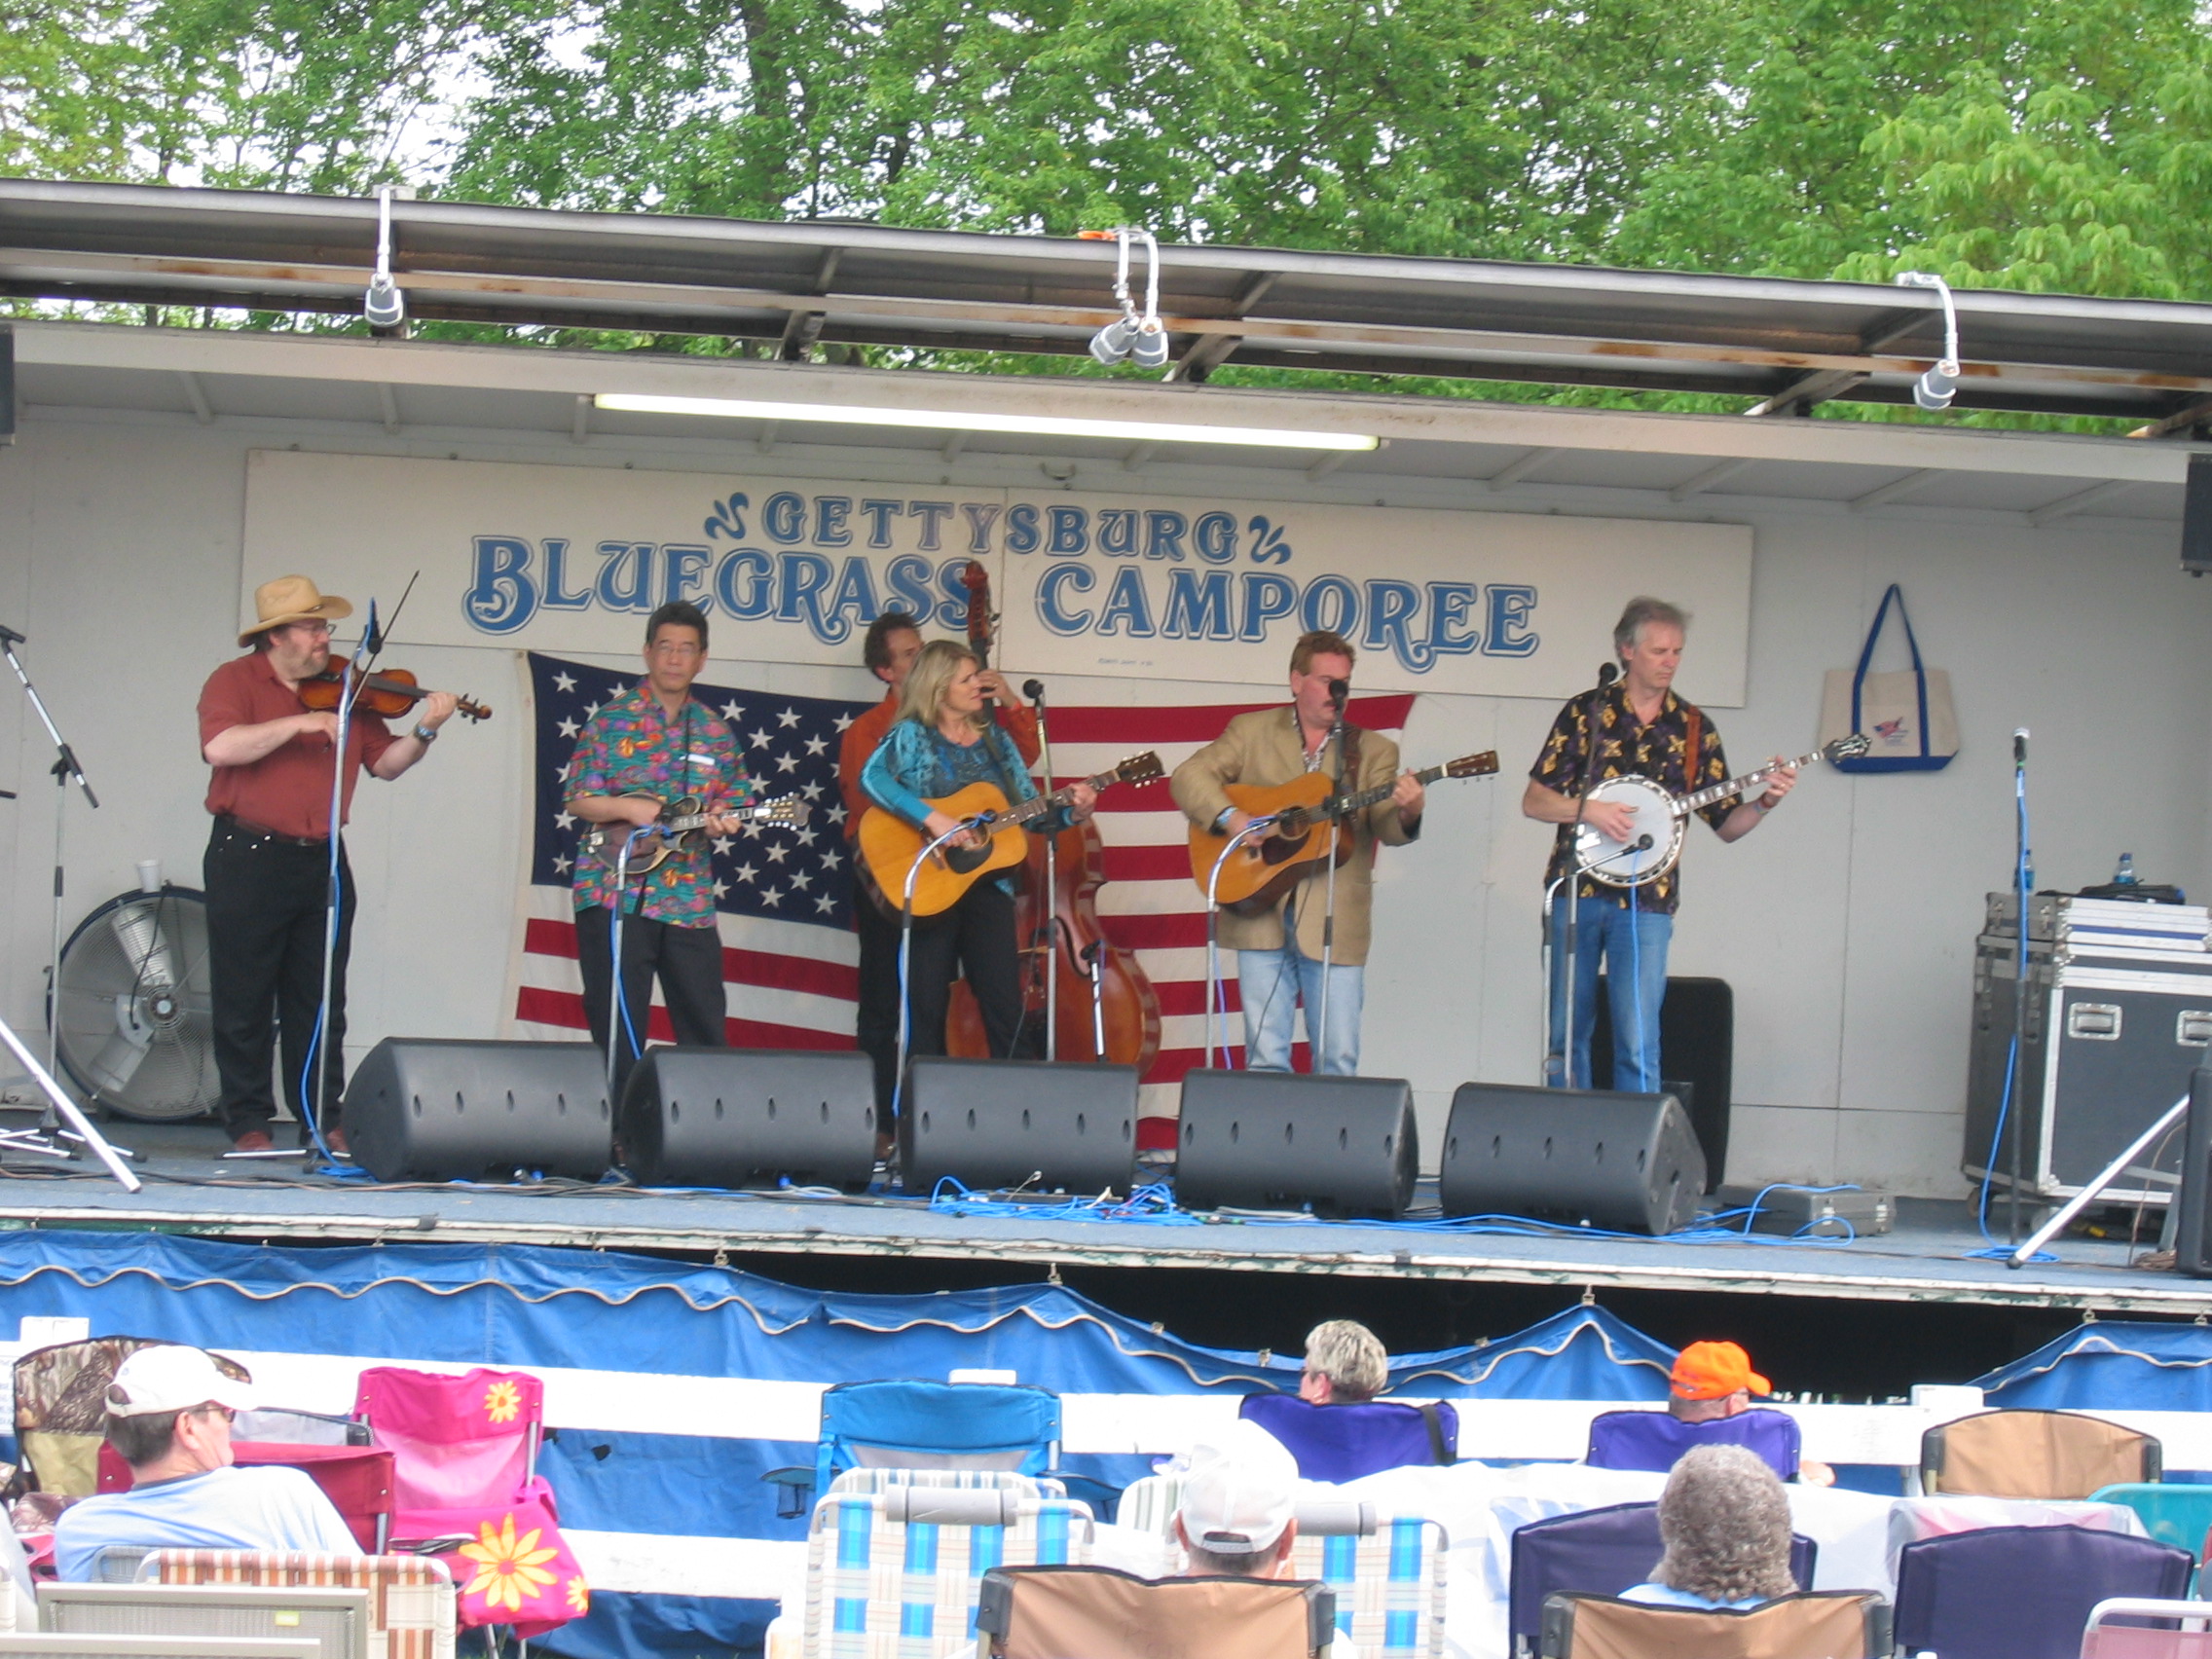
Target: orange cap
{"points": [[1713, 1371]]}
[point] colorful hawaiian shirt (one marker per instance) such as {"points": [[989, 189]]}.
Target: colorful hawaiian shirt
{"points": [[633, 744], [1626, 747]]}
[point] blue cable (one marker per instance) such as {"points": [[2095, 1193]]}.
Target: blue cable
{"points": [[1991, 1250]]}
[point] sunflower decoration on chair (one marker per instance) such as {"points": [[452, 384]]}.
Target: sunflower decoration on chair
{"points": [[510, 1567]]}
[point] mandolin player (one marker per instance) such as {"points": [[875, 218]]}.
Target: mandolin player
{"points": [[1642, 730], [267, 870], [1280, 947], [642, 752]]}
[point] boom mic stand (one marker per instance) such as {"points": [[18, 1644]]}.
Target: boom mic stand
{"points": [[1561, 1064], [981, 822], [1257, 826], [1034, 690], [67, 772], [1338, 690]]}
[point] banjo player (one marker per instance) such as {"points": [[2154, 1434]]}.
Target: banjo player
{"points": [[1625, 847]]}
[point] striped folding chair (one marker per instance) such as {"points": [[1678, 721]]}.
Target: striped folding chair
{"points": [[1388, 1573], [896, 1575], [998, 1480], [411, 1598]]}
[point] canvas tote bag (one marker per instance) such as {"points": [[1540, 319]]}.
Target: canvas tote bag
{"points": [[1906, 716]]}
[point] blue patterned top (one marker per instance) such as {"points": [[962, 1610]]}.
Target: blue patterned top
{"points": [[915, 765]]}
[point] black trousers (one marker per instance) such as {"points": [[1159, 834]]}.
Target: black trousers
{"points": [[267, 902], [688, 961], [973, 940], [875, 1018]]}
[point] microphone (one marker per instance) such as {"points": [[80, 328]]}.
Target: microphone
{"points": [[1607, 673], [2021, 745], [1033, 689], [9, 635], [1339, 689], [1643, 843]]}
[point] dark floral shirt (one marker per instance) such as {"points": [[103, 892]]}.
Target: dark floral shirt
{"points": [[1659, 752], [633, 744]]}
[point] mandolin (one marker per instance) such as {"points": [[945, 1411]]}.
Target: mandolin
{"points": [[890, 846], [678, 826], [1261, 870]]}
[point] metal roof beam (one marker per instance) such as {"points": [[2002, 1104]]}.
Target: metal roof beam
{"points": [[1210, 352], [1895, 488], [196, 395]]}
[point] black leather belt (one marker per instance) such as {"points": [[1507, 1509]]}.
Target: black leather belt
{"points": [[262, 833]]}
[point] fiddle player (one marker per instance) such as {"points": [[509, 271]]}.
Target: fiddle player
{"points": [[1280, 949], [267, 869], [1644, 730], [894, 640], [641, 753]]}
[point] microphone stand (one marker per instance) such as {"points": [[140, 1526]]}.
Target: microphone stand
{"points": [[1034, 690], [67, 772], [1561, 1064], [1329, 900], [1258, 827], [982, 820], [2019, 1057]]}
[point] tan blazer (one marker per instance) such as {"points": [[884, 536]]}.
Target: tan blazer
{"points": [[1261, 748]]}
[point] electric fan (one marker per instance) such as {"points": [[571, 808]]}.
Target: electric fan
{"points": [[133, 1017]]}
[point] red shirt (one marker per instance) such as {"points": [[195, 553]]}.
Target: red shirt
{"points": [[864, 733], [288, 788]]}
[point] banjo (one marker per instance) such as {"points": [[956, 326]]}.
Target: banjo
{"points": [[1662, 819]]}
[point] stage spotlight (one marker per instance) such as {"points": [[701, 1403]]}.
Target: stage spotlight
{"points": [[1134, 337], [1935, 389], [384, 305]]}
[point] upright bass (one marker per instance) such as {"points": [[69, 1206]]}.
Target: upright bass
{"points": [[1061, 919]]}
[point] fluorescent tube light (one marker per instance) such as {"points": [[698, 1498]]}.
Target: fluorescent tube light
{"points": [[949, 420]]}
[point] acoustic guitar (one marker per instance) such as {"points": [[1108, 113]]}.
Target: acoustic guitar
{"points": [[890, 846], [678, 826], [1662, 819], [1261, 870]]}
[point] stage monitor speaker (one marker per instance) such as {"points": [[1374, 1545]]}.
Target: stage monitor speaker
{"points": [[2193, 1221], [1280, 1141], [1626, 1162], [2196, 517], [1052, 1126], [1697, 1045], [437, 1109], [748, 1117]]}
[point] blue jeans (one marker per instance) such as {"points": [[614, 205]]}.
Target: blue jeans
{"points": [[1272, 984], [1633, 944]]}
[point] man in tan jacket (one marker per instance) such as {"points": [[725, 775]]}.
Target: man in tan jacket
{"points": [[1280, 947]]}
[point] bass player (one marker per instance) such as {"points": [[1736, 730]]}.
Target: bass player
{"points": [[642, 752], [1279, 942], [1645, 730]]}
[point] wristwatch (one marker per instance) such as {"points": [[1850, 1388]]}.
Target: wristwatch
{"points": [[426, 734]]}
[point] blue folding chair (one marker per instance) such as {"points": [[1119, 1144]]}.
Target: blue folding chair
{"points": [[1656, 1440], [2023, 1592], [918, 1424], [1597, 1552], [2177, 1513], [1339, 1443]]}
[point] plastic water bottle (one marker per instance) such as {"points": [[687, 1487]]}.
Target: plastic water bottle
{"points": [[2123, 872]]}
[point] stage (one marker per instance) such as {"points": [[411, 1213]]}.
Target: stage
{"points": [[191, 1190]]}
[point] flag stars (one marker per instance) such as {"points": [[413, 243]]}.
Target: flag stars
{"points": [[565, 681], [759, 739], [772, 897], [566, 820], [788, 718], [813, 791], [815, 745], [721, 890], [801, 880], [732, 712], [845, 720], [570, 728], [777, 851], [562, 865], [787, 762], [831, 859], [721, 849], [825, 905], [743, 872]]}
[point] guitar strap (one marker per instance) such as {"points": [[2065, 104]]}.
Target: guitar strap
{"points": [[1693, 726]]}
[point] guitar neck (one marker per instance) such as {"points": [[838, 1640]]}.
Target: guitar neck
{"points": [[1038, 805], [744, 815], [1684, 805], [1339, 806]]}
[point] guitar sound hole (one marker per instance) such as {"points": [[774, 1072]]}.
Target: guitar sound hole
{"points": [[962, 860]]}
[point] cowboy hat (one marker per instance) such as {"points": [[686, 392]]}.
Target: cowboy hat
{"points": [[292, 599]]}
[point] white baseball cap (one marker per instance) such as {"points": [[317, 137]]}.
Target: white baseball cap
{"points": [[170, 1378], [1240, 1492]]}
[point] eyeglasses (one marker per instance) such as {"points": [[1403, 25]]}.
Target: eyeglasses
{"points": [[313, 630], [674, 648], [212, 1409]]}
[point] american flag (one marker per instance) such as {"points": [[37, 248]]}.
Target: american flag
{"points": [[782, 896]]}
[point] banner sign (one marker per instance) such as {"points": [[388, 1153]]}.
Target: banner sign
{"points": [[572, 559]]}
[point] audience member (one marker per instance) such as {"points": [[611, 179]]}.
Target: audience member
{"points": [[1716, 1380], [1725, 1520], [1236, 1517], [1336, 1428], [1345, 1363], [168, 1416]]}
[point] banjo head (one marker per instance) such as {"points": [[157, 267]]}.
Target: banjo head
{"points": [[1619, 864]]}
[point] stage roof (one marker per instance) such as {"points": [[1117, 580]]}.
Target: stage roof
{"points": [[799, 284]]}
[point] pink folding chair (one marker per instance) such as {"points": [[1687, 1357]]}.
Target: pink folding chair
{"points": [[464, 1455]]}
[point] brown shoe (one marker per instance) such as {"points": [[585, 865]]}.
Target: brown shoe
{"points": [[253, 1140], [335, 1139]]}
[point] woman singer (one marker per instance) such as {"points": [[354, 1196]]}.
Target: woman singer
{"points": [[943, 740]]}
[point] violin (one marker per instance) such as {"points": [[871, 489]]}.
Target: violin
{"points": [[1064, 919], [390, 692]]}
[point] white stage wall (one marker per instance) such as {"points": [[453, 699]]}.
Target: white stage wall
{"points": [[1845, 923]]}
